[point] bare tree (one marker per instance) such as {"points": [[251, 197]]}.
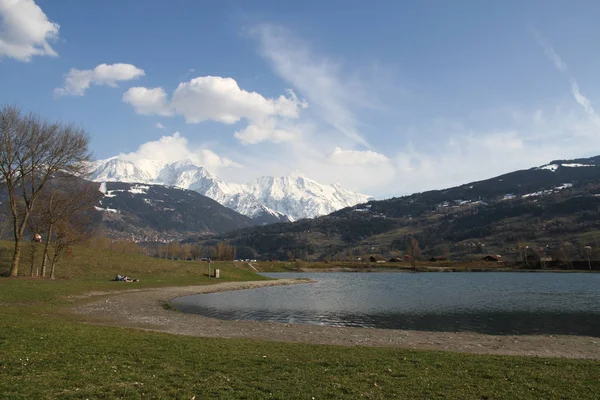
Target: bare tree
{"points": [[566, 252], [62, 201], [224, 251], [34, 223], [185, 251], [66, 234], [31, 152], [196, 251], [413, 250], [173, 249], [72, 229]]}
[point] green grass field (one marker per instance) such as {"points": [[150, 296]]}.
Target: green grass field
{"points": [[45, 353]]}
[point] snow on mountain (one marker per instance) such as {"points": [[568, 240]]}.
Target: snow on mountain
{"points": [[550, 167], [554, 165], [267, 199], [300, 197], [113, 169]]}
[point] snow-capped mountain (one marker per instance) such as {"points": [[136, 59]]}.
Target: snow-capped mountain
{"points": [[266, 199], [300, 197]]}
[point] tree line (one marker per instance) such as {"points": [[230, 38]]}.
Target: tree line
{"points": [[221, 251], [40, 166]]}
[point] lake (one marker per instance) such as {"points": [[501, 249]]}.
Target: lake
{"points": [[487, 302]]}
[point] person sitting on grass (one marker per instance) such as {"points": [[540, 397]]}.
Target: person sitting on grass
{"points": [[120, 278]]}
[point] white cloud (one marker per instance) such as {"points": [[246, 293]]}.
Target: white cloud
{"points": [[584, 102], [78, 81], [527, 140], [316, 77], [148, 101], [561, 66], [213, 98], [464, 158], [266, 130], [26, 30], [484, 145], [356, 157], [468, 154], [174, 148], [550, 53], [159, 125], [310, 157]]}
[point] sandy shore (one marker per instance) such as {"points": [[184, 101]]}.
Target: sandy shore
{"points": [[143, 309]]}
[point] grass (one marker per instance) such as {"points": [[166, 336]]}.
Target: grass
{"points": [[48, 354]]}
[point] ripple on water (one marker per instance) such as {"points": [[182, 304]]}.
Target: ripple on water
{"points": [[493, 303]]}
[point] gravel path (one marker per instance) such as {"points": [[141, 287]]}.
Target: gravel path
{"points": [[143, 309]]}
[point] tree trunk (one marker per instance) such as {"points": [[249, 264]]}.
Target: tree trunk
{"points": [[45, 256], [18, 234], [14, 267], [52, 267], [32, 255]]}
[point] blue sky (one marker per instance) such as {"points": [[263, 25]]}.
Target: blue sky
{"points": [[384, 97]]}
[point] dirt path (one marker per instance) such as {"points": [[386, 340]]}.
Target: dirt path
{"points": [[143, 309]]}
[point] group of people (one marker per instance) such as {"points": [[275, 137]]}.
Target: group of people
{"points": [[120, 278]]}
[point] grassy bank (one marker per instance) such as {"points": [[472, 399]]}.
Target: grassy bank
{"points": [[46, 353]]}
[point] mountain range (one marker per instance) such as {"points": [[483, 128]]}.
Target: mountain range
{"points": [[265, 200]]}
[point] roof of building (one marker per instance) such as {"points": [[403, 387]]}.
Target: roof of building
{"points": [[493, 256]]}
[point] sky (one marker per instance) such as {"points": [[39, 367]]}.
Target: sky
{"points": [[384, 97]]}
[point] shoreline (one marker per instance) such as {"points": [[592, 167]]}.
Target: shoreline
{"points": [[145, 309], [432, 269]]}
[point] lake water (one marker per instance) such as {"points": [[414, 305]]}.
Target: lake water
{"points": [[494, 303]]}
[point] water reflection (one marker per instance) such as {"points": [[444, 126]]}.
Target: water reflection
{"points": [[493, 303]]}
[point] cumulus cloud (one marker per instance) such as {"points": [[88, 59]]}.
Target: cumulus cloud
{"points": [[159, 125], [26, 30], [174, 148], [78, 81], [356, 157], [316, 77], [213, 98], [148, 101]]}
